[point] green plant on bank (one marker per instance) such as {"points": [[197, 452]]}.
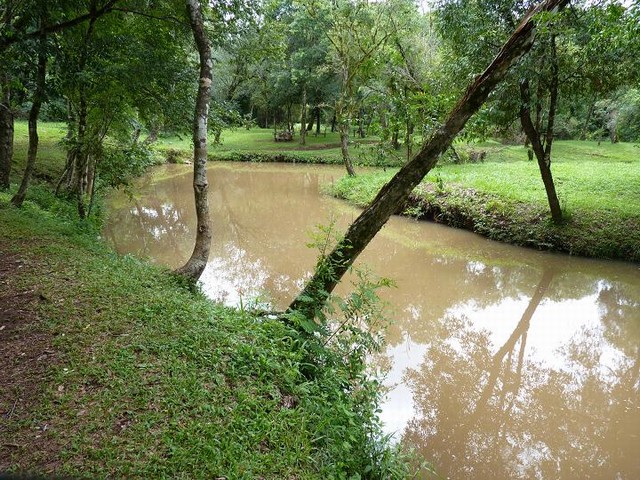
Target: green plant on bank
{"points": [[154, 380], [348, 331]]}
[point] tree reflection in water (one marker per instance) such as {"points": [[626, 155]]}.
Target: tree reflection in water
{"points": [[520, 418]]}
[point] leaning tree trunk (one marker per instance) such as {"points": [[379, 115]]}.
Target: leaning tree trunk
{"points": [[331, 268], [34, 113], [198, 261], [6, 134]]}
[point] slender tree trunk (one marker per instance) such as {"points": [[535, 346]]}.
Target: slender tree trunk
{"points": [[542, 148], [81, 158], [543, 161], [585, 125], [152, 137], [6, 133], [408, 139], [317, 121], [333, 123], [198, 261], [303, 118], [344, 147], [311, 120], [331, 268], [395, 137], [34, 113], [361, 130]]}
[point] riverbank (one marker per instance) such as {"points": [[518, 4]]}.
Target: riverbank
{"points": [[506, 202], [112, 367], [488, 188], [494, 192]]}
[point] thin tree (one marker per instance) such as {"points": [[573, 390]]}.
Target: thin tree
{"points": [[198, 260], [15, 20], [541, 144], [331, 268], [34, 113]]}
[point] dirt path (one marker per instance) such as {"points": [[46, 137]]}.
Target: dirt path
{"points": [[26, 355]]}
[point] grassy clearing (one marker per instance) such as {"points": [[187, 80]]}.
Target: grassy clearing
{"points": [[51, 155], [257, 144], [503, 198]]}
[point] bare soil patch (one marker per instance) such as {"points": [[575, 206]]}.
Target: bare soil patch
{"points": [[26, 358]]}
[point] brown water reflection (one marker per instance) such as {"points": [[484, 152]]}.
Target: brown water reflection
{"points": [[507, 363]]}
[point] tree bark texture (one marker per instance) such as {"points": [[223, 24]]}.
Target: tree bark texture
{"points": [[198, 260], [6, 134], [394, 194], [34, 113]]}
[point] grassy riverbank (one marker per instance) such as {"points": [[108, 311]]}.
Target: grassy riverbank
{"points": [[503, 198], [114, 368], [258, 145]]}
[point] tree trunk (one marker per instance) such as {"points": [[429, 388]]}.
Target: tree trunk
{"points": [[317, 121], [152, 137], [6, 134], [585, 125], [311, 120], [198, 261], [303, 118], [408, 139], [392, 196], [34, 113], [361, 130], [80, 158], [395, 137], [542, 148], [544, 162], [344, 147], [333, 123]]}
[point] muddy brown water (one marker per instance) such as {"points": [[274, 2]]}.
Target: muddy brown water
{"points": [[503, 362]]}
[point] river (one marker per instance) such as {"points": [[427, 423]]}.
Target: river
{"points": [[504, 362]]}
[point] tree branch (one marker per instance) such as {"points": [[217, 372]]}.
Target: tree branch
{"points": [[94, 14], [166, 18]]}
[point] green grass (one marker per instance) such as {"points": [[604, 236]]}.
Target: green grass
{"points": [[503, 198], [51, 156], [610, 183], [257, 144], [153, 380]]}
